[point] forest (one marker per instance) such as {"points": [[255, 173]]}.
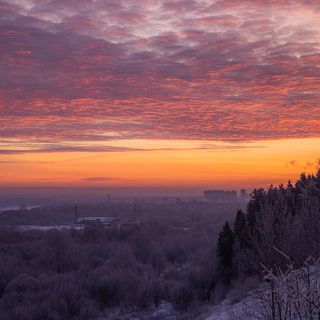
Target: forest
{"points": [[174, 257], [170, 256], [285, 217], [276, 238]]}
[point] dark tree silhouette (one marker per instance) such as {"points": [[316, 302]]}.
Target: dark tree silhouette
{"points": [[240, 229], [225, 252], [283, 217]]}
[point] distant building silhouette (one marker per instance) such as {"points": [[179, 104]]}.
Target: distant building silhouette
{"points": [[220, 196]]}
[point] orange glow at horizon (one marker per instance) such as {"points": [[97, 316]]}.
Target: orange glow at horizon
{"points": [[166, 164], [94, 95]]}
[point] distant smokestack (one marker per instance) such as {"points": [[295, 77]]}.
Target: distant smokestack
{"points": [[134, 211], [75, 214]]}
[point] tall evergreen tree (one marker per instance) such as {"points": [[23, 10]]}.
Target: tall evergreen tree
{"points": [[225, 252], [240, 228]]}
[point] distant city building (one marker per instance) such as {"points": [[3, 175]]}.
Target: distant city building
{"points": [[220, 196], [244, 196]]}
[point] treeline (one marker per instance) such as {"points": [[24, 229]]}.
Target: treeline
{"points": [[283, 218], [179, 213]]}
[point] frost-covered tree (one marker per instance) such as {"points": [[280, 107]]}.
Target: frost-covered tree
{"points": [[286, 217], [290, 294]]}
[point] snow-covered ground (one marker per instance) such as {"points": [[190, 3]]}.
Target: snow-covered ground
{"points": [[226, 310], [218, 312], [294, 293]]}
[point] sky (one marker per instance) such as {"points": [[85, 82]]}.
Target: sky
{"points": [[158, 94]]}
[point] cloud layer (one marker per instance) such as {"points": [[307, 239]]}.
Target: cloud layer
{"points": [[93, 70]]}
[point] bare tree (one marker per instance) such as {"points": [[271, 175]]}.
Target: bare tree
{"points": [[293, 294]]}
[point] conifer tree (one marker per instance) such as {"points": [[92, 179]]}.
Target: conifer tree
{"points": [[225, 252]]}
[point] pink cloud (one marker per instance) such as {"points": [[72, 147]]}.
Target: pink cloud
{"points": [[227, 70]]}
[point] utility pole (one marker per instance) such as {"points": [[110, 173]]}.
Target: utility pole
{"points": [[134, 211], [75, 214]]}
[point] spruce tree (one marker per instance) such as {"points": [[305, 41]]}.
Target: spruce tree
{"points": [[225, 252], [240, 231]]}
